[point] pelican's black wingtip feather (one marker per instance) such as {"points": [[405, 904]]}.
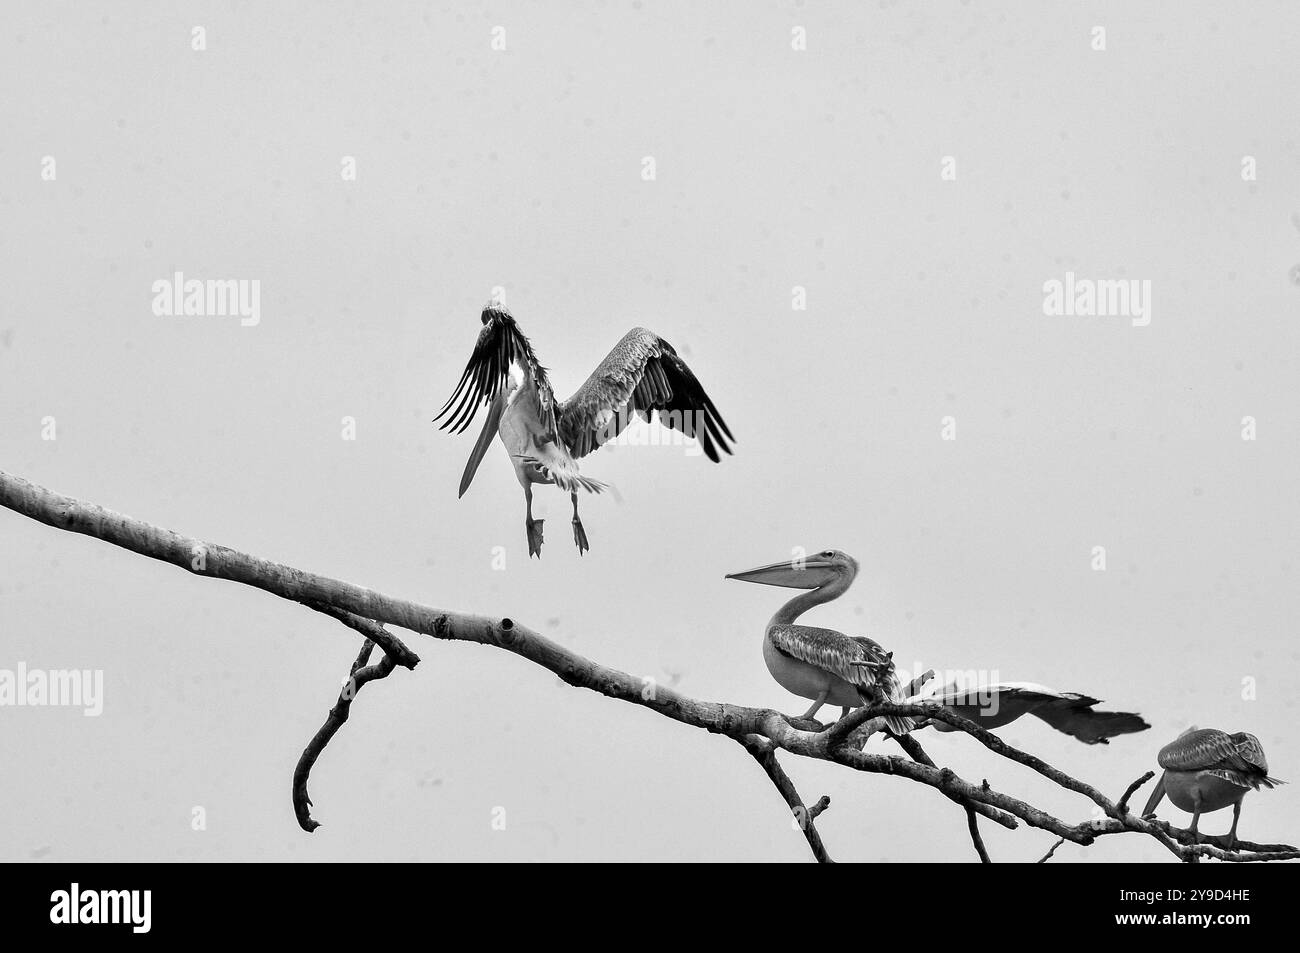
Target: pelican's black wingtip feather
{"points": [[499, 345], [712, 427]]}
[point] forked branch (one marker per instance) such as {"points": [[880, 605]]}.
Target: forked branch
{"points": [[762, 731]]}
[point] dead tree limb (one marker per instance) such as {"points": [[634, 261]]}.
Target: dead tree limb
{"points": [[358, 675], [737, 722], [1122, 805], [917, 753], [764, 753]]}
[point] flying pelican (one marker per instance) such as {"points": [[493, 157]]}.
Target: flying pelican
{"points": [[992, 706], [545, 438], [1206, 770], [822, 664]]}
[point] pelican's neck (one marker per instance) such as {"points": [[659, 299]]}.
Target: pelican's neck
{"points": [[814, 597]]}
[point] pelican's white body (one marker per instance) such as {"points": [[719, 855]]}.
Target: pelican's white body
{"points": [[1216, 792], [807, 681], [521, 432], [524, 435]]}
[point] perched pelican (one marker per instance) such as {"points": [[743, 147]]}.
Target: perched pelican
{"points": [[992, 706], [1206, 770], [822, 664], [545, 438]]}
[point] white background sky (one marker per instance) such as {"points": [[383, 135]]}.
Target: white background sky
{"points": [[522, 168]]}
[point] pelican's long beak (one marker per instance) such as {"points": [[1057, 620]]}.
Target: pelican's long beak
{"points": [[810, 572]]}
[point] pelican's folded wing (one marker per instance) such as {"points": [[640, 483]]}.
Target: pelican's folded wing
{"points": [[641, 374], [855, 660], [1241, 761], [1197, 750], [1250, 751]]}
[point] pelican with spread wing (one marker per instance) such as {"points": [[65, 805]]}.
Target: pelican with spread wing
{"points": [[822, 664], [849, 671], [994, 705], [545, 438], [1206, 770]]}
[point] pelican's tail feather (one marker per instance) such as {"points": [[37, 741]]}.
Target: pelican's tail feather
{"points": [[899, 724], [591, 486], [569, 480]]}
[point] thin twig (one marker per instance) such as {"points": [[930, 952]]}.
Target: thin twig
{"points": [[1122, 805], [1048, 856], [816, 810]]}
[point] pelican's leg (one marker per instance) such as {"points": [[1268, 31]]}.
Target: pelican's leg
{"points": [[579, 534], [1196, 819], [1232, 834], [844, 711], [816, 706], [534, 526]]}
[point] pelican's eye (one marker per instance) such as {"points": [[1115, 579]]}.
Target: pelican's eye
{"points": [[828, 554]]}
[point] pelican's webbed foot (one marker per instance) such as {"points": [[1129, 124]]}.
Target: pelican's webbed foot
{"points": [[580, 536], [535, 538], [804, 723]]}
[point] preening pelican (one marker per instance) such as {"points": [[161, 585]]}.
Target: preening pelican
{"points": [[1206, 770], [822, 664], [992, 706], [546, 438]]}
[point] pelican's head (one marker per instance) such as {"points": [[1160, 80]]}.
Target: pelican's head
{"points": [[804, 572], [492, 309]]}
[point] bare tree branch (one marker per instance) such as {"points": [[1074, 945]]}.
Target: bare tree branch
{"points": [[972, 822], [369, 610], [1122, 806], [358, 675], [764, 753], [917, 753], [392, 646]]}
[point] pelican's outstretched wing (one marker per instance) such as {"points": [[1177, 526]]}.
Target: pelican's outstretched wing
{"points": [[1237, 758], [642, 374], [499, 345], [1074, 715], [1067, 712]]}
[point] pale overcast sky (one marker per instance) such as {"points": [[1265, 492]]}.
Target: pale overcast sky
{"points": [[775, 168]]}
